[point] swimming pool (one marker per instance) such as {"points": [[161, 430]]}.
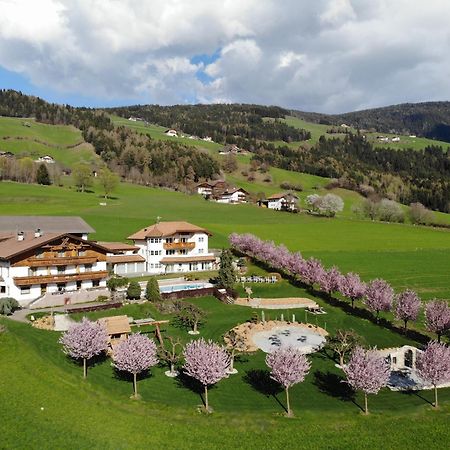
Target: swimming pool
{"points": [[184, 287]]}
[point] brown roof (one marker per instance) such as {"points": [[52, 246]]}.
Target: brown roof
{"points": [[47, 224], [12, 247], [116, 324], [124, 259], [186, 259], [113, 246], [163, 229], [279, 196]]}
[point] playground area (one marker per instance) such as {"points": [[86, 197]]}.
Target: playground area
{"points": [[278, 303]]}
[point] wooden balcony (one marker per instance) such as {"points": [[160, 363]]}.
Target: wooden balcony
{"points": [[61, 261], [179, 246], [62, 278]]}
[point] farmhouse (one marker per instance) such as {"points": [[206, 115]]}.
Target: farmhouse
{"points": [[208, 189], [172, 133], [46, 159], [169, 247], [232, 196], [280, 202]]}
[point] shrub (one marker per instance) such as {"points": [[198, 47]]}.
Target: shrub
{"points": [[390, 211], [420, 215], [134, 290], [8, 305], [291, 186], [152, 293]]}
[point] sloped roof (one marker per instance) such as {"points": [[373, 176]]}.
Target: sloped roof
{"points": [[12, 247], [163, 229], [124, 259], [116, 324], [117, 246], [280, 196], [47, 224]]}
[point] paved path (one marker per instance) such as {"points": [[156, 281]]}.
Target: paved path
{"points": [[21, 314]]}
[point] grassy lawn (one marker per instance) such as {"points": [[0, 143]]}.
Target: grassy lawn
{"points": [[57, 409]]}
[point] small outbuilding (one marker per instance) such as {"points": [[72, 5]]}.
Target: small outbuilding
{"points": [[117, 327]]}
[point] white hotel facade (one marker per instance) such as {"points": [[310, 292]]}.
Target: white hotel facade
{"points": [[172, 247]]}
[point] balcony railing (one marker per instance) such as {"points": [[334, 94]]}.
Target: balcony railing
{"points": [[63, 278], [179, 245], [61, 261]]}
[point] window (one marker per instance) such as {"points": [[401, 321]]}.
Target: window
{"points": [[183, 239], [61, 254], [82, 253], [170, 252], [95, 283], [200, 250], [155, 252], [201, 239], [2, 289], [61, 269], [39, 254], [24, 290], [88, 267], [183, 252], [169, 240]]}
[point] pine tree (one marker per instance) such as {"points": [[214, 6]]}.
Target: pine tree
{"points": [[227, 273], [152, 293], [42, 175]]}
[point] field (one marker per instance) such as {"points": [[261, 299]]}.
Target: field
{"points": [[26, 137], [57, 409]]}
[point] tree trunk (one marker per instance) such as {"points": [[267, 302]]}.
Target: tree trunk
{"points": [[135, 385], [341, 359], [84, 368], [436, 404], [195, 326], [406, 324], [206, 399], [439, 337], [158, 335], [288, 403], [232, 360], [172, 367], [353, 302], [366, 408]]}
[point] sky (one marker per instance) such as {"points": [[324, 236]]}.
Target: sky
{"points": [[327, 56]]}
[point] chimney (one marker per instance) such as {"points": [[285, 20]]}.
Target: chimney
{"points": [[37, 233], [20, 236]]}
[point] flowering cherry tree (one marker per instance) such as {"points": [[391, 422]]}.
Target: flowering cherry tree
{"points": [[352, 287], [134, 355], [367, 372], [433, 366], [437, 317], [331, 280], [288, 366], [312, 271], [379, 296], [84, 340], [407, 306], [207, 362]]}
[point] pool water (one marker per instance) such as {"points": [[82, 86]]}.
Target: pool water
{"points": [[183, 287]]}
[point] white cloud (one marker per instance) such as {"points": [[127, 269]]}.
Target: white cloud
{"points": [[326, 55]]}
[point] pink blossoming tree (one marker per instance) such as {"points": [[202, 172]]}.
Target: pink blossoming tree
{"points": [[134, 355], [352, 287], [379, 296], [437, 317], [407, 307], [433, 366], [331, 280], [288, 367], [366, 372], [207, 362], [84, 340]]}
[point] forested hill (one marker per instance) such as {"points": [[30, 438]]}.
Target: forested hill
{"points": [[219, 121], [430, 119]]}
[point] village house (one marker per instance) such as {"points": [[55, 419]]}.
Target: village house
{"points": [[230, 149], [280, 202], [45, 159], [170, 247], [171, 133], [211, 188], [6, 154], [232, 196]]}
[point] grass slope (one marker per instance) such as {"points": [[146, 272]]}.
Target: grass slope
{"points": [[39, 139], [406, 255]]}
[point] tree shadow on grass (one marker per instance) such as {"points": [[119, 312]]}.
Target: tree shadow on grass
{"points": [[127, 376], [334, 385], [187, 382], [260, 380], [418, 395]]}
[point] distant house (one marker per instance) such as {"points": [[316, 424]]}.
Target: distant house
{"points": [[46, 159], [132, 119], [207, 139], [396, 139], [230, 148], [208, 189], [233, 196], [280, 202], [344, 125], [171, 133], [6, 154]]}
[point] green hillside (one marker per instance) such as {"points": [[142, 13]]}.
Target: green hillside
{"points": [[26, 137]]}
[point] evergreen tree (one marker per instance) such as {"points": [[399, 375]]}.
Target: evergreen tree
{"points": [[227, 273], [134, 291], [152, 293], [42, 175]]}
